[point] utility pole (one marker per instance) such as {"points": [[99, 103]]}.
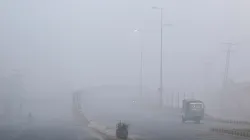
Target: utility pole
{"points": [[227, 66], [225, 79]]}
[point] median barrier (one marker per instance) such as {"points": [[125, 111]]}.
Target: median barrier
{"points": [[102, 130], [235, 132], [211, 118]]}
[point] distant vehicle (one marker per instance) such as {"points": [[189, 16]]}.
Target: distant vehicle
{"points": [[122, 131], [192, 110]]}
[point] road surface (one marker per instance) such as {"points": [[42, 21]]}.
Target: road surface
{"points": [[144, 124], [49, 130], [158, 125]]}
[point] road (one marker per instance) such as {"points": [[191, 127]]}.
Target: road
{"points": [[144, 123], [49, 130], [158, 125]]}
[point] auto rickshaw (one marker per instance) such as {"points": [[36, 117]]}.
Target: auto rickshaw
{"points": [[122, 131], [192, 110]]}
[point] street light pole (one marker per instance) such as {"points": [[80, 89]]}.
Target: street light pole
{"points": [[161, 55], [141, 71], [141, 63], [161, 78], [225, 80]]}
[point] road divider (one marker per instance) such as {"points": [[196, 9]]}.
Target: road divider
{"points": [[211, 118], [102, 130], [235, 132]]}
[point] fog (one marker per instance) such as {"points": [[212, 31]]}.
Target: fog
{"points": [[59, 46]]}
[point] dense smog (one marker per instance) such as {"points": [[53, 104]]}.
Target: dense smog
{"points": [[124, 69]]}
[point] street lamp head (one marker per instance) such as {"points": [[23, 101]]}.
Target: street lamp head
{"points": [[136, 30], [154, 7]]}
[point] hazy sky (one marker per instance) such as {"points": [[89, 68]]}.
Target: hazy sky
{"points": [[67, 44]]}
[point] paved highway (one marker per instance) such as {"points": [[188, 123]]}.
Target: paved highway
{"points": [[158, 125], [49, 130], [147, 124]]}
